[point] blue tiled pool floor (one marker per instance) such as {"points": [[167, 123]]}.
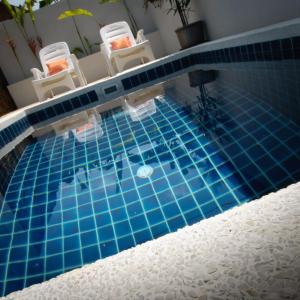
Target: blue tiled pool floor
{"points": [[70, 203]]}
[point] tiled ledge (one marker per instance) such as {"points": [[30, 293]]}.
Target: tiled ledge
{"points": [[249, 252], [277, 31], [273, 43]]}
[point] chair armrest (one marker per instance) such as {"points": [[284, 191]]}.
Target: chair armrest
{"points": [[105, 50], [37, 74], [140, 36], [74, 59], [78, 71], [75, 63]]}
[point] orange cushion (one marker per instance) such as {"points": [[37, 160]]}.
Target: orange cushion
{"points": [[120, 43], [84, 127], [57, 66]]}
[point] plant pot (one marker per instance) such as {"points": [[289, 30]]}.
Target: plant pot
{"points": [[192, 34], [201, 77]]}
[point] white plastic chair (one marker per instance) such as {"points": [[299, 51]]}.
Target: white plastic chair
{"points": [[44, 83], [141, 104], [91, 130], [118, 59]]}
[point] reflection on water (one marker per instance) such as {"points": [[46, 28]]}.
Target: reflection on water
{"points": [[129, 155], [74, 199]]}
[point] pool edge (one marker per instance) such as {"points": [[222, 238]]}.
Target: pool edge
{"points": [[250, 233]]}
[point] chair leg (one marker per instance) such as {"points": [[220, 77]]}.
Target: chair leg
{"points": [[121, 62], [149, 52], [119, 65], [68, 82], [82, 80], [110, 66], [78, 72], [81, 77], [40, 92]]}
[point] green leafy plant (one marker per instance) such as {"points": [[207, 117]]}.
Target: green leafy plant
{"points": [[18, 13], [133, 23], [71, 13], [78, 51], [90, 45], [87, 46], [74, 12], [12, 45], [180, 7]]}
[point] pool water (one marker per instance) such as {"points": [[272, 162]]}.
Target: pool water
{"points": [[72, 201]]}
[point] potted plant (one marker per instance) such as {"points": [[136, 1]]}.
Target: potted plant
{"points": [[190, 34]]}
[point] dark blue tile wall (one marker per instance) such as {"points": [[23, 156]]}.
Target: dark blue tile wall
{"points": [[277, 85], [11, 132], [61, 108], [8, 164], [276, 50]]}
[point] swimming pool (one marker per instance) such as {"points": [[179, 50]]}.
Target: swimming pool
{"points": [[71, 202]]}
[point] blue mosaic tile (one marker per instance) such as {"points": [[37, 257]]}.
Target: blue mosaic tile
{"points": [[193, 216], [168, 68], [108, 249], [90, 254], [143, 78], [58, 108], [72, 259], [67, 105], [93, 96], [152, 74], [160, 71], [75, 102], [160, 230], [14, 285], [126, 84], [126, 242], [77, 202], [135, 81]]}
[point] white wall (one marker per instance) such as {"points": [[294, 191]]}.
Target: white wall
{"points": [[142, 16], [52, 30], [225, 17], [228, 17]]}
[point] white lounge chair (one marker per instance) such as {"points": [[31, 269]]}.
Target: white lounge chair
{"points": [[90, 131], [44, 82], [117, 58], [141, 104]]}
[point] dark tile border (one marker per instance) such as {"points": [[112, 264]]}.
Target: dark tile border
{"points": [[9, 162], [275, 50], [62, 108], [8, 134]]}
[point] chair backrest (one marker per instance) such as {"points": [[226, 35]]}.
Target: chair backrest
{"points": [[53, 52], [115, 31]]}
